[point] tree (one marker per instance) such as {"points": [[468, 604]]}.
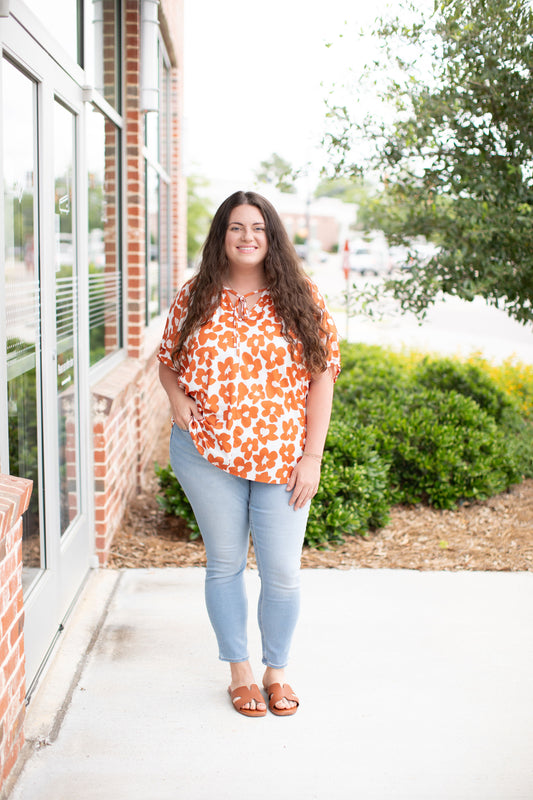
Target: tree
{"points": [[278, 172], [456, 161], [198, 216]]}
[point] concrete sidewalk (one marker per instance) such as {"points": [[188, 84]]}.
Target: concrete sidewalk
{"points": [[413, 685]]}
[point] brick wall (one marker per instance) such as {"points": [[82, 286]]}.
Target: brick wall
{"points": [[134, 227], [14, 500], [129, 405], [171, 17]]}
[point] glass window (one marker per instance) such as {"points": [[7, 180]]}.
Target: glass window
{"points": [[66, 314], [105, 273], [22, 290], [62, 19], [102, 48], [152, 134], [165, 287], [152, 244], [158, 199], [165, 131]]}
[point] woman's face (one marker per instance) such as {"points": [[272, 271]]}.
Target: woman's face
{"points": [[246, 240]]}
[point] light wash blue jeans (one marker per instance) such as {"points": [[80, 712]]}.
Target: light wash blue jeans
{"points": [[228, 509]]}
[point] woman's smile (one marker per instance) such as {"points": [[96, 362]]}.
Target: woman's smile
{"points": [[246, 240]]}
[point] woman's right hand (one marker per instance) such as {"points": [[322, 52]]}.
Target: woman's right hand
{"points": [[183, 406], [184, 409]]}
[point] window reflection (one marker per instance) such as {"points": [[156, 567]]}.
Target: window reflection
{"points": [[105, 285], [102, 48], [153, 271], [66, 315], [22, 300], [158, 199], [165, 288], [164, 134]]}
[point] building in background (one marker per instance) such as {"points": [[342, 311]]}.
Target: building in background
{"points": [[93, 247]]}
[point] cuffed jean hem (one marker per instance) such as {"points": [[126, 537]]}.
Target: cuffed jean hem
{"points": [[227, 509], [233, 660], [273, 666]]}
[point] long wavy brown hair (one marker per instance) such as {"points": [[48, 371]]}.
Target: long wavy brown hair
{"points": [[288, 285]]}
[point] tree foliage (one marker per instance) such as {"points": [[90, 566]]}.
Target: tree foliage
{"points": [[277, 172], [198, 216], [456, 160]]}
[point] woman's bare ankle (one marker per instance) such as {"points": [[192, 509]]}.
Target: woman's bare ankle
{"points": [[241, 674], [273, 675]]}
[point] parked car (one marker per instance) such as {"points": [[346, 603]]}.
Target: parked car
{"points": [[366, 261], [401, 258]]}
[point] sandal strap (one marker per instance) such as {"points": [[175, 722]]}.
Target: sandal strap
{"points": [[243, 695], [277, 692]]}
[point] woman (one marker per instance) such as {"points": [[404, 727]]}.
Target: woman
{"points": [[248, 359]]}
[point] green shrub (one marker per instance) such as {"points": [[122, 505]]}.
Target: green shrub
{"points": [[367, 373], [443, 448], [352, 496], [407, 428], [174, 500], [514, 378], [449, 375]]}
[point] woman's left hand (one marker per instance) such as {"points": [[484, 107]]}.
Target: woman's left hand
{"points": [[304, 482]]}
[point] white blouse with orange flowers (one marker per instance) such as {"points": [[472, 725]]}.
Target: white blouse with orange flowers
{"points": [[249, 388]]}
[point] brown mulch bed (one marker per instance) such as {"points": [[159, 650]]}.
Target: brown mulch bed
{"points": [[493, 535]]}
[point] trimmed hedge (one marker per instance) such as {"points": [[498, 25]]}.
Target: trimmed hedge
{"points": [[408, 428], [353, 494]]}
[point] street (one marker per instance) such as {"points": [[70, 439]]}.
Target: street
{"points": [[452, 327]]}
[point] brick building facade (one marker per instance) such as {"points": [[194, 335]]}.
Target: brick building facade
{"points": [[94, 247]]}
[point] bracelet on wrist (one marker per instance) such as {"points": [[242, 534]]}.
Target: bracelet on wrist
{"points": [[314, 456]]}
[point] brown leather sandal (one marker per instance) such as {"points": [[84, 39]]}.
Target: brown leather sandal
{"points": [[243, 695], [275, 693]]}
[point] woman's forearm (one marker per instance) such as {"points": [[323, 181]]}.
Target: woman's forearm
{"points": [[319, 399], [169, 380]]}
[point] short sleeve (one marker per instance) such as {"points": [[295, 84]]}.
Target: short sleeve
{"points": [[332, 344], [174, 323]]}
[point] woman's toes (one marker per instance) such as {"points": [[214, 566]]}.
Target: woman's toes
{"points": [[254, 705], [285, 703]]}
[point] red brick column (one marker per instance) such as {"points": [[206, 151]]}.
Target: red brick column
{"points": [[14, 500], [179, 187], [171, 17], [129, 404], [134, 223]]}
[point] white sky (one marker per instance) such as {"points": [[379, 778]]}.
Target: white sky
{"points": [[253, 75]]}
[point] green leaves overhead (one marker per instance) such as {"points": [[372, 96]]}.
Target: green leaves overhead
{"points": [[455, 158]]}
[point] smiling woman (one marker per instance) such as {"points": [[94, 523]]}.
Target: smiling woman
{"points": [[246, 247], [247, 439]]}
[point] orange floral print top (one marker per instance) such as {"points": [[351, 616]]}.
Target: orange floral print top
{"points": [[251, 392]]}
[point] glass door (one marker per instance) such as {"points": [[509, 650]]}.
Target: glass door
{"points": [[46, 348], [22, 304]]}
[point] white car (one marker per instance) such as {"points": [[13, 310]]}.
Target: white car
{"points": [[366, 261]]}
